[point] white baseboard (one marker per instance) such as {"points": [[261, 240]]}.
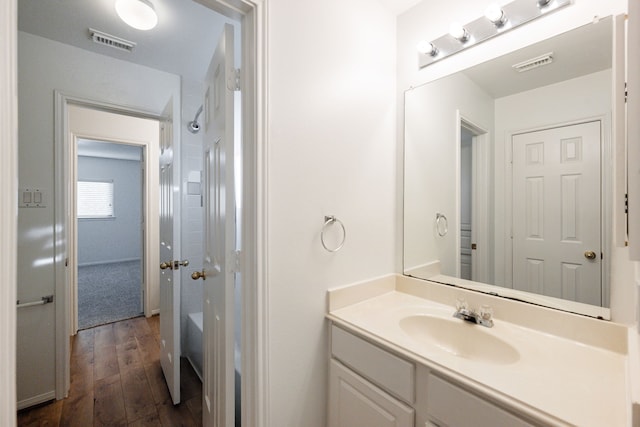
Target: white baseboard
{"points": [[114, 261], [41, 398]]}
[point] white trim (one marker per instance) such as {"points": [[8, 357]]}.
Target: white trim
{"points": [[8, 207], [45, 397], [633, 130], [66, 232], [114, 261]]}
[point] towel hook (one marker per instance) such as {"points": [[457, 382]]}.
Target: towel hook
{"points": [[329, 220], [442, 225]]}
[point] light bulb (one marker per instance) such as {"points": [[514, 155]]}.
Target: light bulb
{"points": [[495, 14], [458, 32], [138, 14], [427, 48]]}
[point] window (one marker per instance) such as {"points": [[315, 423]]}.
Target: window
{"points": [[95, 199]]}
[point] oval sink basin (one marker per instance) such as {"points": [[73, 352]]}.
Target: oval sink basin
{"points": [[459, 338]]}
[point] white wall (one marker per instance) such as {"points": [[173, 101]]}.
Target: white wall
{"points": [[192, 211], [45, 66], [331, 81], [429, 20], [433, 151]]}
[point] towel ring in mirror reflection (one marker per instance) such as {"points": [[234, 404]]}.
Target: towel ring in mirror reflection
{"points": [[330, 220], [442, 225]]}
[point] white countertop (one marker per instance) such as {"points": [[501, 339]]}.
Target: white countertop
{"points": [[559, 380]]}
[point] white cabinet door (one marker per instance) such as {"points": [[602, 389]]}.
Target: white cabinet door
{"points": [[354, 402]]}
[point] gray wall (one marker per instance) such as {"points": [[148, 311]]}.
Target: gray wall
{"points": [[120, 238]]}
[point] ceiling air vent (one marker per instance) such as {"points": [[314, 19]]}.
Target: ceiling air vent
{"points": [[111, 41], [532, 63]]}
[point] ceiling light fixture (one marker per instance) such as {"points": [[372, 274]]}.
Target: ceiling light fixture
{"points": [[498, 19], [495, 14], [138, 14]]}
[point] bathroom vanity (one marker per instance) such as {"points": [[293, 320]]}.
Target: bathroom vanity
{"points": [[398, 357]]}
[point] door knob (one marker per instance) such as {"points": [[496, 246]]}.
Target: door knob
{"points": [[590, 255], [165, 265], [198, 275]]}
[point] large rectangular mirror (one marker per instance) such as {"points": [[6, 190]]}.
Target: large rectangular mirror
{"points": [[507, 174]]}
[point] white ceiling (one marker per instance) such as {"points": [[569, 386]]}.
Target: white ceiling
{"points": [[182, 43], [398, 6]]}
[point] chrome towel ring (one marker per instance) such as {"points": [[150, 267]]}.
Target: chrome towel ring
{"points": [[442, 225], [329, 220]]}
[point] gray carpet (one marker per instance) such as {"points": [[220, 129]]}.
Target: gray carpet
{"points": [[108, 293]]}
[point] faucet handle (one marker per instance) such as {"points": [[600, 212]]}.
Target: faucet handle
{"points": [[461, 304], [486, 312]]}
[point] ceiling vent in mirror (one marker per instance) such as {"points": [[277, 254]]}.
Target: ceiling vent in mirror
{"points": [[111, 41], [532, 63]]}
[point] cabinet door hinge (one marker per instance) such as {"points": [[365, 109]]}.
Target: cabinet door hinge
{"points": [[626, 92]]}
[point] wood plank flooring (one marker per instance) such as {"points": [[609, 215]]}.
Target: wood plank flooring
{"points": [[116, 380]]}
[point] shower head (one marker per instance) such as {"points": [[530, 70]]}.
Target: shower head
{"points": [[194, 126]]}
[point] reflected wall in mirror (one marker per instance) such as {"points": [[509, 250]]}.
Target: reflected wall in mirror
{"points": [[512, 158]]}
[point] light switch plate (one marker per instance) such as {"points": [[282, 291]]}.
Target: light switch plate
{"points": [[32, 197]]}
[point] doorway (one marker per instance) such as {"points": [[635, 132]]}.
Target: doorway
{"points": [[109, 210], [474, 245]]}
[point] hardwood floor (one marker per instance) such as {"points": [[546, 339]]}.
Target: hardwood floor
{"points": [[116, 380]]}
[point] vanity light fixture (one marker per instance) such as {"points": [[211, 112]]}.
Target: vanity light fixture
{"points": [[496, 20], [138, 14]]}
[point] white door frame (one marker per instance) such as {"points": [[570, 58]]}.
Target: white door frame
{"points": [[606, 201], [9, 206], [65, 153], [149, 207], [480, 196]]}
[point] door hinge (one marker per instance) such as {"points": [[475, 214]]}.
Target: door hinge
{"points": [[236, 73], [626, 92], [66, 262], [236, 261], [626, 203]]}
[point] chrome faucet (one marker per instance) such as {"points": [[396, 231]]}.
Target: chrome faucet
{"points": [[481, 317]]}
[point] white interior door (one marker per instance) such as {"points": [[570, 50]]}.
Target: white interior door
{"points": [[557, 212], [169, 275], [219, 245]]}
